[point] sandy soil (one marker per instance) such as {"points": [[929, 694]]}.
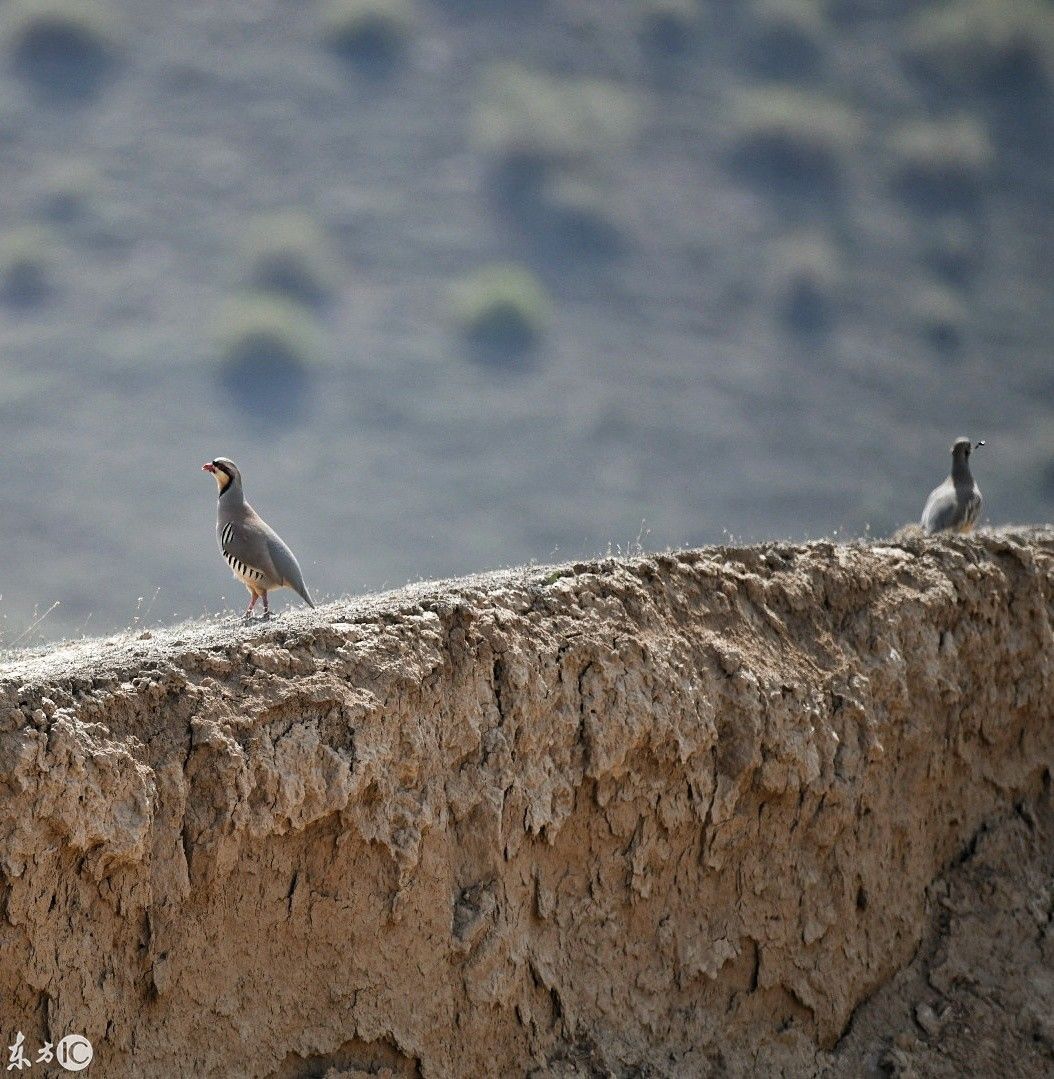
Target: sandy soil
{"points": [[733, 811]]}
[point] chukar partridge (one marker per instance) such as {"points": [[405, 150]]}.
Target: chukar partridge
{"points": [[255, 552], [955, 505]]}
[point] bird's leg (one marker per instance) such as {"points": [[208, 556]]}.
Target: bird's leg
{"points": [[267, 610], [252, 603]]}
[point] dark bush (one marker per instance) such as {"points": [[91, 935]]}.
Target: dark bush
{"points": [[954, 247], [793, 141], [287, 253], [786, 38], [268, 349], [668, 27], [804, 281], [65, 49], [941, 318], [502, 311], [27, 258], [372, 35], [528, 123], [941, 164], [1001, 47]]}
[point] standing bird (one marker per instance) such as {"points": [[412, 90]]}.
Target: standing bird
{"points": [[254, 551], [956, 504]]}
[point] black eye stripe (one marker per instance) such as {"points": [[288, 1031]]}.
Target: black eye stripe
{"points": [[224, 487]]}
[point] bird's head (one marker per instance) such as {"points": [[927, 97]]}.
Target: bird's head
{"points": [[224, 472], [962, 448]]}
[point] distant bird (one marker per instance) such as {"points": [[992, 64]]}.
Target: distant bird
{"points": [[956, 504], [255, 552]]}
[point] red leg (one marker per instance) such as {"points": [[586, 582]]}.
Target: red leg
{"points": [[267, 610], [252, 603]]}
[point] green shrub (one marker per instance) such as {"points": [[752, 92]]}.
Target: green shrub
{"points": [[805, 276], [941, 162], [525, 121], [371, 34], [65, 49], [940, 317], [792, 139], [268, 347], [502, 310], [27, 261], [786, 38], [668, 26], [287, 253], [1005, 46], [552, 143]]}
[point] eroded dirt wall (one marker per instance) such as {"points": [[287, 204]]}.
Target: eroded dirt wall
{"points": [[663, 814]]}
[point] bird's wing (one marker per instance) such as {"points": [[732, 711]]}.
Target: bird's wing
{"points": [[942, 509], [287, 567], [244, 544]]}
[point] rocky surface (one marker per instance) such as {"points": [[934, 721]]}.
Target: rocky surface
{"points": [[784, 808], [978, 999]]}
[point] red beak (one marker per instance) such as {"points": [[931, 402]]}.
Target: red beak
{"points": [[208, 467]]}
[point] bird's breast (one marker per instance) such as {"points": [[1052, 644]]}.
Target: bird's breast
{"points": [[247, 574]]}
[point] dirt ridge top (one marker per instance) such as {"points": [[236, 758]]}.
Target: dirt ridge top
{"points": [[678, 814]]}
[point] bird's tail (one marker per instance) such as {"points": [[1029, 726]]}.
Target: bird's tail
{"points": [[301, 590]]}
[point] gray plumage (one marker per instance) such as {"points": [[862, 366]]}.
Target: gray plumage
{"points": [[256, 554], [955, 505]]}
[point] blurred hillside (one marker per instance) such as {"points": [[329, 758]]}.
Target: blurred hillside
{"points": [[461, 284]]}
